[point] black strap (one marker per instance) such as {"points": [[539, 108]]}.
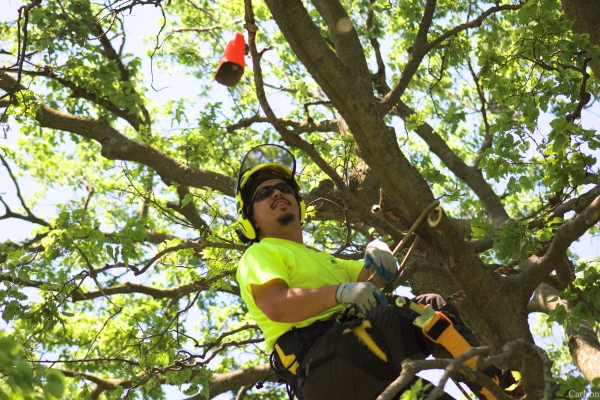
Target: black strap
{"points": [[438, 328]]}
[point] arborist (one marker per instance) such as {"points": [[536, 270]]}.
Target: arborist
{"points": [[300, 297]]}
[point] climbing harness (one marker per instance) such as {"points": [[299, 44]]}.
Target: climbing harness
{"points": [[355, 341], [360, 344]]}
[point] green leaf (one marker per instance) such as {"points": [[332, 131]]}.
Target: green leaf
{"points": [[11, 310], [187, 199], [55, 384], [559, 314], [192, 390]]}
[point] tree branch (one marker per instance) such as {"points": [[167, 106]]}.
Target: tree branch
{"points": [[304, 37], [421, 47], [583, 342], [487, 140], [468, 174], [295, 141], [189, 211], [297, 126], [220, 383], [197, 30], [30, 217], [116, 146], [379, 78], [536, 269], [453, 368], [22, 44], [130, 288], [85, 94], [577, 204], [346, 42], [112, 55], [417, 52]]}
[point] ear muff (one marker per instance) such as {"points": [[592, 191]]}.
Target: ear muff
{"points": [[246, 231], [301, 202]]}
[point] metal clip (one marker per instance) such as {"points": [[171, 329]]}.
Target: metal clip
{"points": [[400, 301]]}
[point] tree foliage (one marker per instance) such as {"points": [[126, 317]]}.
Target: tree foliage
{"points": [[387, 105]]}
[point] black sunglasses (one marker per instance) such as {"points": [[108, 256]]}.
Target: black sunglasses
{"points": [[266, 191]]}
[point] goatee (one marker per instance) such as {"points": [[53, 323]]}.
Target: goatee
{"points": [[285, 219]]}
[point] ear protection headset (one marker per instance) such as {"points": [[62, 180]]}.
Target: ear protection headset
{"points": [[257, 161]]}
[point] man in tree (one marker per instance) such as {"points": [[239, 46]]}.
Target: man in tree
{"points": [[298, 296]]}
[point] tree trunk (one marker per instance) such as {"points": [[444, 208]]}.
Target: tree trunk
{"points": [[585, 15]]}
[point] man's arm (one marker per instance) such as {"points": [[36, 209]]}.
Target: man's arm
{"points": [[364, 275], [280, 303]]}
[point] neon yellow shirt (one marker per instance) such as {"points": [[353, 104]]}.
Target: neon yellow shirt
{"points": [[300, 267]]}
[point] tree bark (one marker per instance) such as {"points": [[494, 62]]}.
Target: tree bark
{"points": [[583, 342], [585, 15]]}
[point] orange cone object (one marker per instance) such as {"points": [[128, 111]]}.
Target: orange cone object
{"points": [[231, 67]]}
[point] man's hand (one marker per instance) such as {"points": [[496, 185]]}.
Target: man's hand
{"points": [[363, 295], [379, 260]]}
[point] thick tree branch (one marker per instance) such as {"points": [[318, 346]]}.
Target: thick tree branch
{"points": [[585, 20], [85, 94], [583, 342], [536, 269], [468, 174], [453, 368], [330, 73], [116, 146], [222, 383], [296, 141], [421, 47], [346, 41]]}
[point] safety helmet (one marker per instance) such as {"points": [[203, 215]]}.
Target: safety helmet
{"points": [[262, 163]]}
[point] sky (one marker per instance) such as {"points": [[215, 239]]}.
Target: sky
{"points": [[172, 86]]}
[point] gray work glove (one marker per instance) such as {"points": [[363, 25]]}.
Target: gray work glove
{"points": [[363, 295], [379, 260]]}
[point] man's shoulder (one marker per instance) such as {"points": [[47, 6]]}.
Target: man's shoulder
{"points": [[264, 248], [276, 245]]}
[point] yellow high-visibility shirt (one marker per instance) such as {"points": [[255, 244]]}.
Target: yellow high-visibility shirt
{"points": [[300, 267]]}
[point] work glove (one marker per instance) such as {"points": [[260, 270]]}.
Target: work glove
{"points": [[363, 295], [379, 260]]}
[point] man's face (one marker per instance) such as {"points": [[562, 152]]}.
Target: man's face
{"points": [[274, 211]]}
